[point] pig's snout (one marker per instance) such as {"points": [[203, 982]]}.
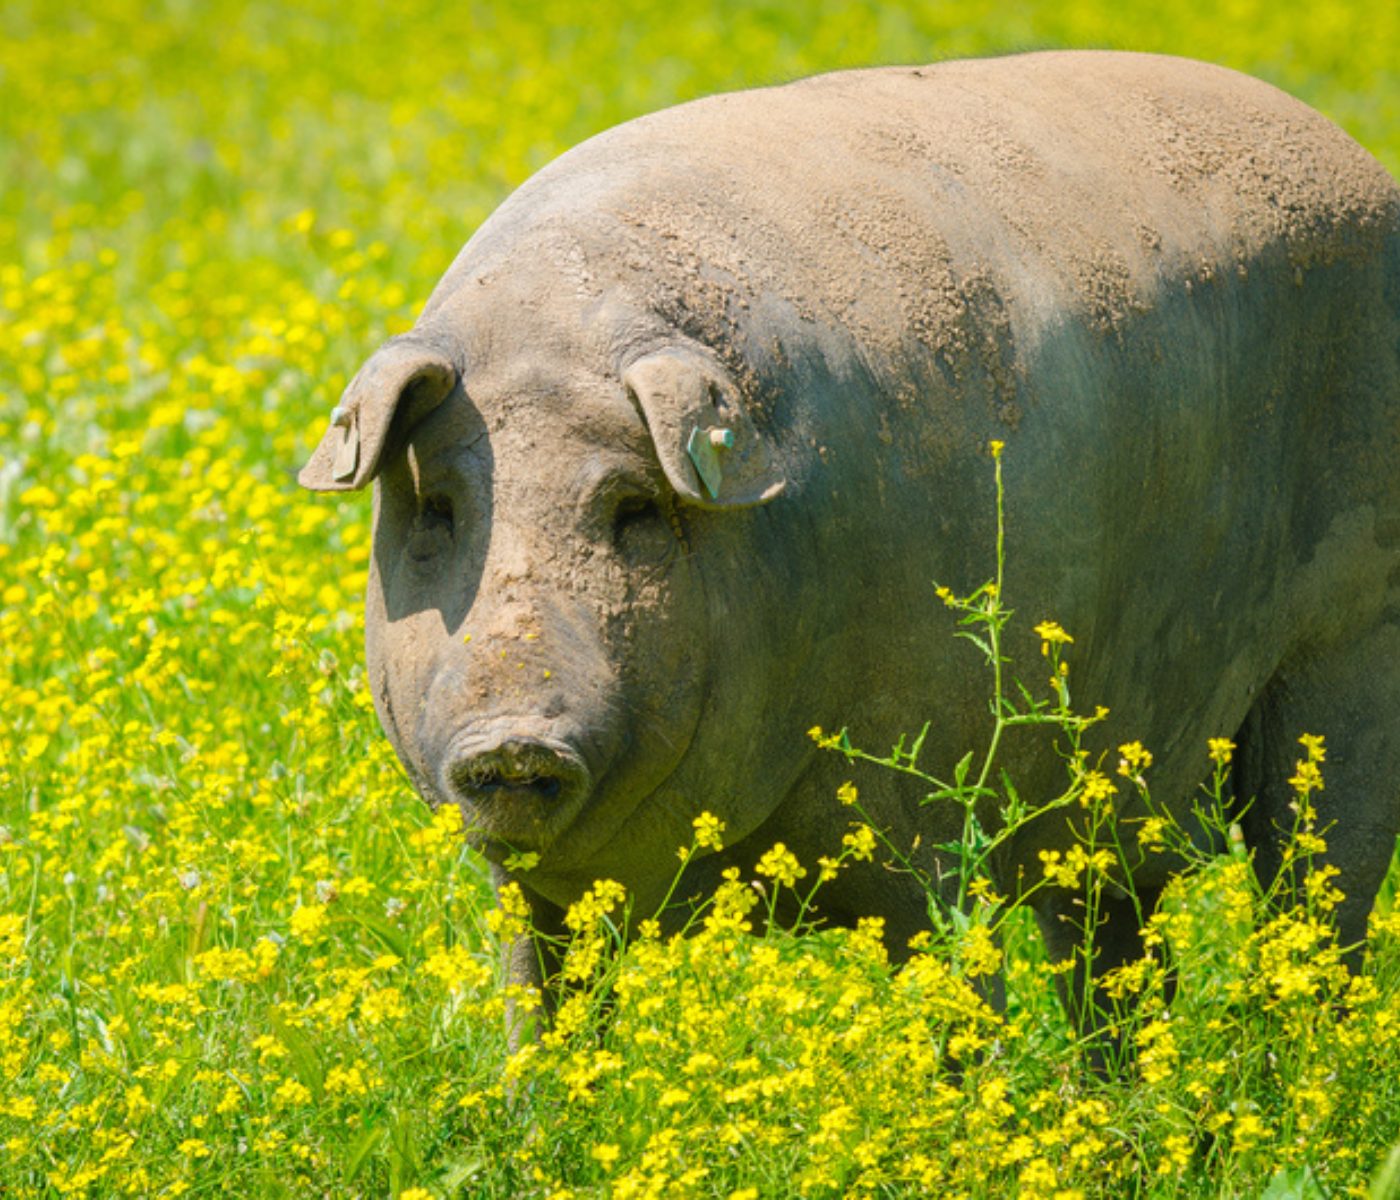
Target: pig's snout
{"points": [[517, 787]]}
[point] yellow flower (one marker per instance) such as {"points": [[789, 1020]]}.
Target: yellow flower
{"points": [[137, 1103], [1157, 1051], [708, 831], [1097, 787], [1308, 777], [308, 921], [511, 915], [980, 955], [1310, 843], [456, 969], [346, 1081], [1051, 634], [386, 1004], [1178, 1147], [1221, 749], [265, 955], [1249, 1131], [1135, 758], [1150, 834], [606, 1153], [847, 793], [1065, 870], [781, 865], [860, 842], [26, 1108], [291, 1094], [11, 935]]}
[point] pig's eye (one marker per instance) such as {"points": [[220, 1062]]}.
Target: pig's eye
{"points": [[432, 530], [640, 532]]}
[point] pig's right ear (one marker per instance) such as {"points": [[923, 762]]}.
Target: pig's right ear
{"points": [[404, 379], [709, 448]]}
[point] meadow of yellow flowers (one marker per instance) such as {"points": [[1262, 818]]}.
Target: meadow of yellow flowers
{"points": [[237, 956]]}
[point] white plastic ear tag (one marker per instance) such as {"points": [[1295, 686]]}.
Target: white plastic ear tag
{"points": [[704, 447], [711, 451], [347, 455]]}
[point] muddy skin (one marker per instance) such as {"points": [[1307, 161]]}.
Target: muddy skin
{"points": [[1171, 290]]}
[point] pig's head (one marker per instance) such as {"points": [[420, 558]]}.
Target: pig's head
{"points": [[540, 631]]}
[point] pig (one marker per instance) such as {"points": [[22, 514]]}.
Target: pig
{"points": [[667, 466]]}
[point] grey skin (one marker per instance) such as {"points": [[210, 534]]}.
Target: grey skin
{"points": [[1172, 291]]}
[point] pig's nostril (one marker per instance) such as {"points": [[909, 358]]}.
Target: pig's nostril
{"points": [[520, 770], [490, 782]]}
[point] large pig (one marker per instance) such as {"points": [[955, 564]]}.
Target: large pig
{"points": [[669, 462]]}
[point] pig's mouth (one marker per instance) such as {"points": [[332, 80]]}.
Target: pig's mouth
{"points": [[516, 792]]}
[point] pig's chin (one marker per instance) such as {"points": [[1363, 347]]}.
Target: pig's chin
{"points": [[515, 821], [560, 830], [500, 833]]}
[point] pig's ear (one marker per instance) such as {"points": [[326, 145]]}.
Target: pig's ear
{"points": [[711, 452], [405, 379]]}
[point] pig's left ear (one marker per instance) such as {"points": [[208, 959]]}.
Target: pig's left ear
{"points": [[404, 379], [711, 452]]}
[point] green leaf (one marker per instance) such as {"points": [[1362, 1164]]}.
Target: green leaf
{"points": [[305, 1061], [457, 1174], [389, 934], [1386, 1185], [1294, 1183], [404, 1161], [980, 643], [365, 1145]]}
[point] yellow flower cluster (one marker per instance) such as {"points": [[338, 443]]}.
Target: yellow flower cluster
{"points": [[1051, 634]]}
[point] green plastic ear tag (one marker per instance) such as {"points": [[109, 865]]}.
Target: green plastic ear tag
{"points": [[704, 447], [347, 455]]}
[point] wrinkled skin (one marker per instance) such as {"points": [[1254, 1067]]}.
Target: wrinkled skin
{"points": [[1173, 292]]}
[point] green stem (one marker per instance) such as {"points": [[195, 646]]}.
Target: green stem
{"points": [[994, 640]]}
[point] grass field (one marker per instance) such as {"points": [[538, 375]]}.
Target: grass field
{"points": [[236, 954]]}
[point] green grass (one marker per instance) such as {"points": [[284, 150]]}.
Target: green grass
{"points": [[235, 954]]}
